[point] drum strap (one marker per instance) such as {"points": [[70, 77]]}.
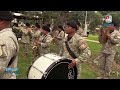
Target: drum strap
{"points": [[70, 51]]}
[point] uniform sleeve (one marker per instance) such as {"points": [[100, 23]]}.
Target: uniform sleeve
{"points": [[3, 57], [84, 51], [61, 35], [84, 56], [115, 39], [47, 42], [61, 50]]}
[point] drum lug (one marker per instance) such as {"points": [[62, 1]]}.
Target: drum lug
{"points": [[70, 76]]}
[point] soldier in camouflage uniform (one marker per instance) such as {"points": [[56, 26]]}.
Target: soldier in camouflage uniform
{"points": [[77, 45], [108, 52], [45, 40], [26, 31], [58, 35], [8, 47], [60, 38], [17, 30], [35, 37]]}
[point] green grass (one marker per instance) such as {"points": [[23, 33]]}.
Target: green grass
{"points": [[94, 47], [93, 37], [23, 63], [87, 72]]}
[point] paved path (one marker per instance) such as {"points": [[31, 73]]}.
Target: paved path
{"points": [[91, 40], [118, 45], [85, 38], [96, 41]]}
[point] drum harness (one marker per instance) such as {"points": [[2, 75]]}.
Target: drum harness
{"points": [[72, 54]]}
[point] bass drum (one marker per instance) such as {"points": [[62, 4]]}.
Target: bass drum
{"points": [[51, 66]]}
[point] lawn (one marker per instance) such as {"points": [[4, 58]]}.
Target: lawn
{"points": [[88, 71], [93, 37], [23, 63]]}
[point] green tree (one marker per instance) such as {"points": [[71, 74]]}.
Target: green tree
{"points": [[94, 19]]}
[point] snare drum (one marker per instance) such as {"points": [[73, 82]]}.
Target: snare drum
{"points": [[51, 66]]}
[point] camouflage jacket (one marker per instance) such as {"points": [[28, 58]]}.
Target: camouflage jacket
{"points": [[36, 33], [35, 36], [110, 46], [78, 46], [25, 35], [45, 43], [8, 49], [60, 37]]}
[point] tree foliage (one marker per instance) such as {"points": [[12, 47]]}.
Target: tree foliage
{"points": [[59, 17]]}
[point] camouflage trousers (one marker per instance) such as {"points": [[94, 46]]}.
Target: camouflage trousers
{"points": [[26, 47], [106, 62], [78, 65]]}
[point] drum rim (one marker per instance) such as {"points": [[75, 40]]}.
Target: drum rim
{"points": [[28, 71], [30, 68]]}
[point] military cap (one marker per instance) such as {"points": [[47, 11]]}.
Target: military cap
{"points": [[6, 15], [73, 25], [46, 28]]}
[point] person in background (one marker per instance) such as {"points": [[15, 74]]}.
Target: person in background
{"points": [[108, 51], [26, 38], [45, 40]]}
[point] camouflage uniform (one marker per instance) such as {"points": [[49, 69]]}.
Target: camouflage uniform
{"points": [[45, 44], [8, 49], [17, 31], [75, 44], [108, 52], [35, 47], [25, 39], [60, 40], [57, 42]]}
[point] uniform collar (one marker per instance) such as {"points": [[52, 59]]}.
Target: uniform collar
{"points": [[5, 29]]}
